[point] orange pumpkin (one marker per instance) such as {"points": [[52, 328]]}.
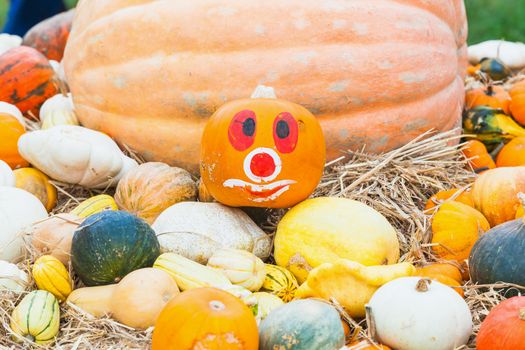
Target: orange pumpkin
{"points": [[50, 36], [495, 193], [36, 182], [262, 152], [206, 318], [10, 131], [491, 96], [512, 154], [473, 70], [504, 327], [445, 269], [362, 67], [463, 196], [26, 79], [365, 345], [478, 156], [517, 105]]}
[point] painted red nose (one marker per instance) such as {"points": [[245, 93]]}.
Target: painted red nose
{"points": [[262, 165]]}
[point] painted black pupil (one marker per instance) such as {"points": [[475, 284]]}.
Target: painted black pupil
{"points": [[283, 130], [248, 127]]}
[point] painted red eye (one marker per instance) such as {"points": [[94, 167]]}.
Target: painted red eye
{"points": [[242, 130], [285, 132]]}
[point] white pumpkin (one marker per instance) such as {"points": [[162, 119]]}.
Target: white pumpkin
{"points": [[196, 230], [512, 54], [58, 110], [7, 177], [12, 278], [241, 267], [8, 41], [12, 110], [411, 313], [19, 209], [76, 155]]}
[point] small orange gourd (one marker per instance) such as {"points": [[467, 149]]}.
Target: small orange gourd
{"points": [[446, 269], [478, 156], [455, 229], [206, 318], [517, 105], [366, 345], [262, 152], [10, 131], [491, 96], [455, 194], [36, 182], [512, 154], [495, 193]]}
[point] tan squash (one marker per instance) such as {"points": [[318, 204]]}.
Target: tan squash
{"points": [[95, 301], [140, 297], [53, 236], [152, 187]]}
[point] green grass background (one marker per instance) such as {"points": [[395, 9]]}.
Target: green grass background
{"points": [[488, 19]]}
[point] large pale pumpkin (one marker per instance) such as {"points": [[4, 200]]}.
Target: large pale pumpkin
{"points": [[374, 72]]}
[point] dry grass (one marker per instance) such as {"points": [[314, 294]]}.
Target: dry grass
{"points": [[397, 184]]}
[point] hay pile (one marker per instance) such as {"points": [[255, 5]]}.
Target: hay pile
{"points": [[397, 184]]}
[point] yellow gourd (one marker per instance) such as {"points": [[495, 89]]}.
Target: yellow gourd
{"points": [[95, 205], [36, 182], [189, 274], [455, 229], [350, 283], [51, 275], [36, 318], [280, 282]]}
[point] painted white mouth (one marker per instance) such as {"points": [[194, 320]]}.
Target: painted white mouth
{"points": [[265, 193]]}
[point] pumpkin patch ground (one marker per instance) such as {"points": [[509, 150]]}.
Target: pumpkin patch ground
{"points": [[149, 200]]}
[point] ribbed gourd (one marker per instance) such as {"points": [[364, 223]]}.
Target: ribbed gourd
{"points": [[280, 282], [51, 275], [94, 205]]}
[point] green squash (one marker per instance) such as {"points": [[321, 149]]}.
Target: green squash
{"points": [[302, 325], [109, 245], [498, 255]]}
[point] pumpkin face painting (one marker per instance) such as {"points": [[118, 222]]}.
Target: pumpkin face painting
{"points": [[262, 152]]}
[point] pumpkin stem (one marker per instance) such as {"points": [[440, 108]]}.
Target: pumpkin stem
{"points": [[522, 314], [216, 305], [490, 90], [264, 92], [423, 284]]}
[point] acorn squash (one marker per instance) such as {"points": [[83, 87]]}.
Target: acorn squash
{"points": [[109, 245]]}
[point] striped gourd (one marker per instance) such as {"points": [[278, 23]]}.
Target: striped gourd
{"points": [[281, 282], [51, 275], [189, 274], [95, 205], [36, 318]]}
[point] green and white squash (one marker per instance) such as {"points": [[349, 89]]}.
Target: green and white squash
{"points": [[109, 245], [302, 325], [36, 318]]}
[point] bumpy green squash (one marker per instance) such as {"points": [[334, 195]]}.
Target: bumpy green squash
{"points": [[109, 245], [498, 255], [302, 325]]}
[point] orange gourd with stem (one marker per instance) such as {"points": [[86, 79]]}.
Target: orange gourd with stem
{"points": [[478, 156], [491, 96]]}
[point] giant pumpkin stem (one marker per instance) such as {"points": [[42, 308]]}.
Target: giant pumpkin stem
{"points": [[522, 314], [264, 92], [423, 285]]}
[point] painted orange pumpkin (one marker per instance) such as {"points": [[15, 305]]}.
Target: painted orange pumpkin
{"points": [[375, 73], [479, 158], [26, 79], [10, 131], [512, 154], [205, 318], [262, 152], [491, 96], [517, 106], [455, 194]]}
